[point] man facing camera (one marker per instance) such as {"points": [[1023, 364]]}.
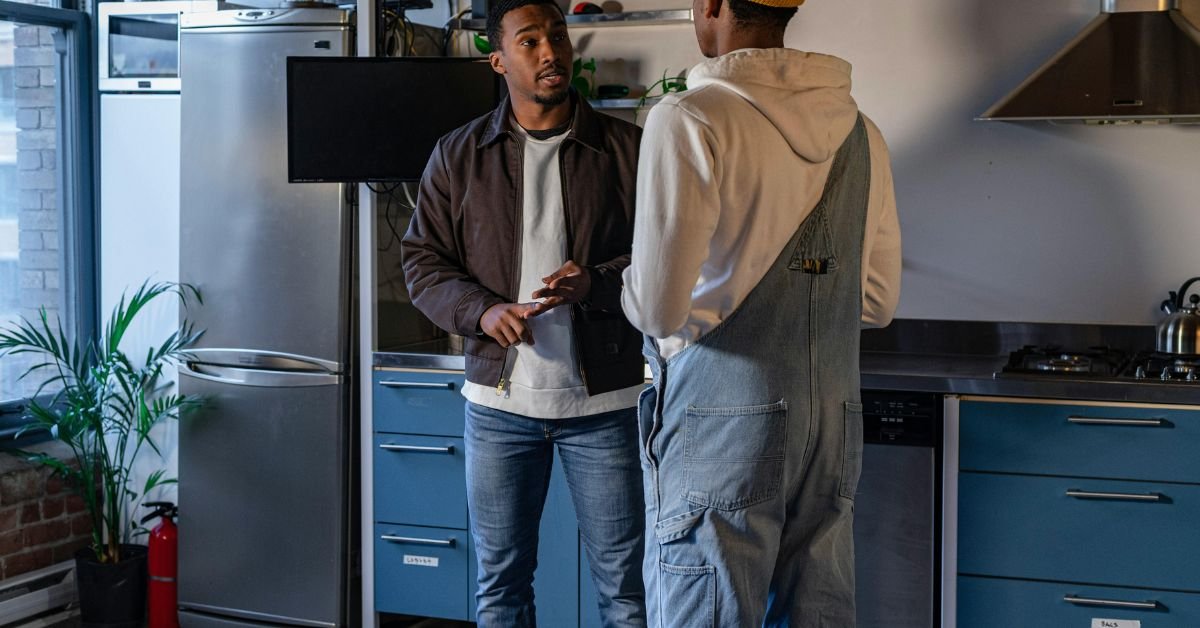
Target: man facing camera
{"points": [[522, 228]]}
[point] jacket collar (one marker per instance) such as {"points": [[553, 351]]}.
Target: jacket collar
{"points": [[585, 126]]}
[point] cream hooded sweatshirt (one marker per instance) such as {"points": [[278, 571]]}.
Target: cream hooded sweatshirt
{"points": [[728, 170]]}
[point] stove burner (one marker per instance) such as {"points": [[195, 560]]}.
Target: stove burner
{"points": [[1065, 363], [1184, 366], [1052, 360], [1102, 363], [1166, 367]]}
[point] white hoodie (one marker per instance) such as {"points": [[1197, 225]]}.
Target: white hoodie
{"points": [[728, 170]]}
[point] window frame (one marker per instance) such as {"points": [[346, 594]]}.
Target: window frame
{"points": [[78, 100]]}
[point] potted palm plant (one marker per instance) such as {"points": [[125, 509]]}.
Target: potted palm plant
{"points": [[103, 405]]}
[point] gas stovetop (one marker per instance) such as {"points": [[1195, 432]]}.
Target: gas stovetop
{"points": [[1165, 367], [1100, 363]]}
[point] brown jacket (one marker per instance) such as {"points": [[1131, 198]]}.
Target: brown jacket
{"points": [[462, 250]]}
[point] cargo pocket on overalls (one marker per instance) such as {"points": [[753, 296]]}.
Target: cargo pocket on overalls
{"points": [[690, 595], [852, 447], [688, 592], [733, 457]]}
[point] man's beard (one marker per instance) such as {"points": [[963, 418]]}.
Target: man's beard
{"points": [[553, 100]]}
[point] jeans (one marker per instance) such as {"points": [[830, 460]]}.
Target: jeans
{"points": [[509, 459]]}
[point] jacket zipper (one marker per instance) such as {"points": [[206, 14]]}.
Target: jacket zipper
{"points": [[504, 383], [578, 355], [562, 189], [514, 271]]}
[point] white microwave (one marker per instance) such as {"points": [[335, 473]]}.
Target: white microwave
{"points": [[139, 44]]}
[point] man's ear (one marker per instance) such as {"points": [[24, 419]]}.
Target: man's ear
{"points": [[497, 63], [711, 8]]}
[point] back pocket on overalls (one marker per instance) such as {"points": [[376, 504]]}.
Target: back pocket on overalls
{"points": [[733, 457]]}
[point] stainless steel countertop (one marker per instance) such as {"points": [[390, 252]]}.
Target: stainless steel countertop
{"points": [[958, 374], [433, 354], [975, 375]]}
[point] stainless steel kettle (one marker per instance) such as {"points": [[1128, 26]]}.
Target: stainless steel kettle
{"points": [[1180, 332]]}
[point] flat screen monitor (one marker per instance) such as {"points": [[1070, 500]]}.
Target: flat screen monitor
{"points": [[378, 119]]}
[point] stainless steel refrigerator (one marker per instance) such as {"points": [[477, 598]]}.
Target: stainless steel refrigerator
{"points": [[267, 467]]}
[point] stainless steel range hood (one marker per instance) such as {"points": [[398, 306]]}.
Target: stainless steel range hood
{"points": [[1137, 63]]}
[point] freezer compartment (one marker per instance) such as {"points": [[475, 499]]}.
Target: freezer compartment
{"points": [[263, 504]]}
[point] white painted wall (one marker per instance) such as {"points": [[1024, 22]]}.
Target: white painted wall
{"points": [[139, 237], [1004, 221], [1001, 221]]}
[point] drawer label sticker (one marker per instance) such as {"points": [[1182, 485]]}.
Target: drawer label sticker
{"points": [[432, 561], [1116, 623]]}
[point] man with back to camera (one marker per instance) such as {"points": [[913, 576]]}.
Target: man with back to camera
{"points": [[522, 228], [766, 234]]}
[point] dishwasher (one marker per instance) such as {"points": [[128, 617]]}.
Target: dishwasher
{"points": [[897, 520]]}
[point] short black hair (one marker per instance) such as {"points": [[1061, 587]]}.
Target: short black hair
{"points": [[754, 15], [498, 10]]}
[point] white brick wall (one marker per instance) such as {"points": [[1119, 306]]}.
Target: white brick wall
{"points": [[39, 218], [37, 177]]}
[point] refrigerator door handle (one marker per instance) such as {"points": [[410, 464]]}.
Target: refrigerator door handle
{"points": [[270, 360], [253, 377]]}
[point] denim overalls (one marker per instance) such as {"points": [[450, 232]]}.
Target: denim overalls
{"points": [[752, 437]]}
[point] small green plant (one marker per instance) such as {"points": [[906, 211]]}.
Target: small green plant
{"points": [[103, 407], [668, 85], [481, 44], [583, 84]]}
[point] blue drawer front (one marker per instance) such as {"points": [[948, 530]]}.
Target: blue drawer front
{"points": [[993, 603], [1042, 439], [420, 480], [418, 402], [414, 576], [1028, 527]]}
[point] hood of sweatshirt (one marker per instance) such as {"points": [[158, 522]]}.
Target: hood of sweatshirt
{"points": [[805, 95]]}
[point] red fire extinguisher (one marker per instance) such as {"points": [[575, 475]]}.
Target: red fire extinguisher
{"points": [[163, 566]]}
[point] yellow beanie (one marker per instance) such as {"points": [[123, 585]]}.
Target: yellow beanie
{"points": [[781, 4]]}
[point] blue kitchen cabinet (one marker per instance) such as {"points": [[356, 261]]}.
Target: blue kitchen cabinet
{"points": [[418, 402], [1101, 441], [422, 571], [1032, 527], [1004, 603], [1074, 512], [424, 555], [423, 477]]}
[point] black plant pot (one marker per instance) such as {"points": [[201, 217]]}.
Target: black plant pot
{"points": [[112, 595]]}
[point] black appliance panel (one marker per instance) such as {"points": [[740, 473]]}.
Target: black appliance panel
{"points": [[897, 526], [411, 103]]}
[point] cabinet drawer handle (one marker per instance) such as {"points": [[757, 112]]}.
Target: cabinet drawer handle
{"points": [[448, 449], [1134, 497], [418, 385], [1088, 601], [1091, 420], [412, 540]]}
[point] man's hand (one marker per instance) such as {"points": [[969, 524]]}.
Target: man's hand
{"points": [[569, 284], [505, 323]]}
